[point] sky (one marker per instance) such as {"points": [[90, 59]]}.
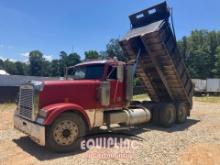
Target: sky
{"points": [[70, 25]]}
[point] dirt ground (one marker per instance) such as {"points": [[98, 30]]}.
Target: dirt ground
{"points": [[195, 142]]}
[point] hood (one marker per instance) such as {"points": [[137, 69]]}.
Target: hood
{"points": [[70, 91]]}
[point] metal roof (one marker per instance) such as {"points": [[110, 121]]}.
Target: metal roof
{"points": [[108, 61], [17, 80]]}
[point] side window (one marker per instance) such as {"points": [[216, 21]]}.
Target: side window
{"points": [[112, 73]]}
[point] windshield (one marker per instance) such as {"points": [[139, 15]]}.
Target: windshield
{"points": [[86, 72]]}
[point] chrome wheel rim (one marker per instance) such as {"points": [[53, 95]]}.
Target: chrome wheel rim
{"points": [[65, 132]]}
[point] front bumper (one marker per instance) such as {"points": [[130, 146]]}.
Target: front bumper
{"points": [[34, 130]]}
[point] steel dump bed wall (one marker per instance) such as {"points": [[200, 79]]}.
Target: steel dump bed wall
{"points": [[161, 67]]}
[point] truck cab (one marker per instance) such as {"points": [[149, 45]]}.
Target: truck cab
{"points": [[107, 74]]}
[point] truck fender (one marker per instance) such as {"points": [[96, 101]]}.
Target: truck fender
{"points": [[54, 110]]}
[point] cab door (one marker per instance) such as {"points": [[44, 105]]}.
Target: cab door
{"points": [[115, 76]]}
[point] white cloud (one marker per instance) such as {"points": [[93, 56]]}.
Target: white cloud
{"points": [[10, 59], [25, 54], [48, 57], [3, 58]]}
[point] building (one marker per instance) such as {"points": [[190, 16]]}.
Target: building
{"points": [[9, 85]]}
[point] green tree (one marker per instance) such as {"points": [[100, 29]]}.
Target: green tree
{"points": [[217, 62], [73, 59], [91, 54], [9, 67], [46, 68], [63, 62], [21, 68], [55, 68], [1, 64], [113, 49], [67, 60], [200, 53], [36, 61]]}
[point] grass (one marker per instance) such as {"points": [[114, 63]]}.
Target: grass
{"points": [[206, 99], [7, 106], [141, 97]]}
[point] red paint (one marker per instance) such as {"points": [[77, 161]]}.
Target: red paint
{"points": [[80, 92], [61, 95], [54, 110], [116, 93]]}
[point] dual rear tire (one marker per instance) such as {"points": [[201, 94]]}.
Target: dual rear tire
{"points": [[181, 113], [166, 114]]}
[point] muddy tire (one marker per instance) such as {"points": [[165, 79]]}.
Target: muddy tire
{"points": [[167, 115], [63, 134], [181, 113]]}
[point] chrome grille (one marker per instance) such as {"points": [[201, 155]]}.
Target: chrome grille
{"points": [[26, 101]]}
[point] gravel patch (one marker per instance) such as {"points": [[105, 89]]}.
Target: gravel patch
{"points": [[195, 142]]}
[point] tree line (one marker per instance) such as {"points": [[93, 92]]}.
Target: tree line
{"points": [[200, 50], [38, 65]]}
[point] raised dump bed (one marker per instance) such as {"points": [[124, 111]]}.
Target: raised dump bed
{"points": [[161, 66]]}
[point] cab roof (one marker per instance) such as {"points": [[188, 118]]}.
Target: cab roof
{"points": [[106, 61]]}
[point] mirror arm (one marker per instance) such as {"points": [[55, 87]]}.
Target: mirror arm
{"points": [[66, 73]]}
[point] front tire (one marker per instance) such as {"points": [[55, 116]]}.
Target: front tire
{"points": [[62, 135]]}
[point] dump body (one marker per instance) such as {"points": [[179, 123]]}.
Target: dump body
{"points": [[160, 66]]}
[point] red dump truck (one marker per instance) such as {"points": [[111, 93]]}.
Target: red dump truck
{"points": [[99, 93]]}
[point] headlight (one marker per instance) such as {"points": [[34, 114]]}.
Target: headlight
{"points": [[38, 85]]}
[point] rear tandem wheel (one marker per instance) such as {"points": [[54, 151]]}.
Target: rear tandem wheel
{"points": [[164, 114], [181, 113]]}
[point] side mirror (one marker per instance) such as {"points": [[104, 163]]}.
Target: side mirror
{"points": [[104, 93]]}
